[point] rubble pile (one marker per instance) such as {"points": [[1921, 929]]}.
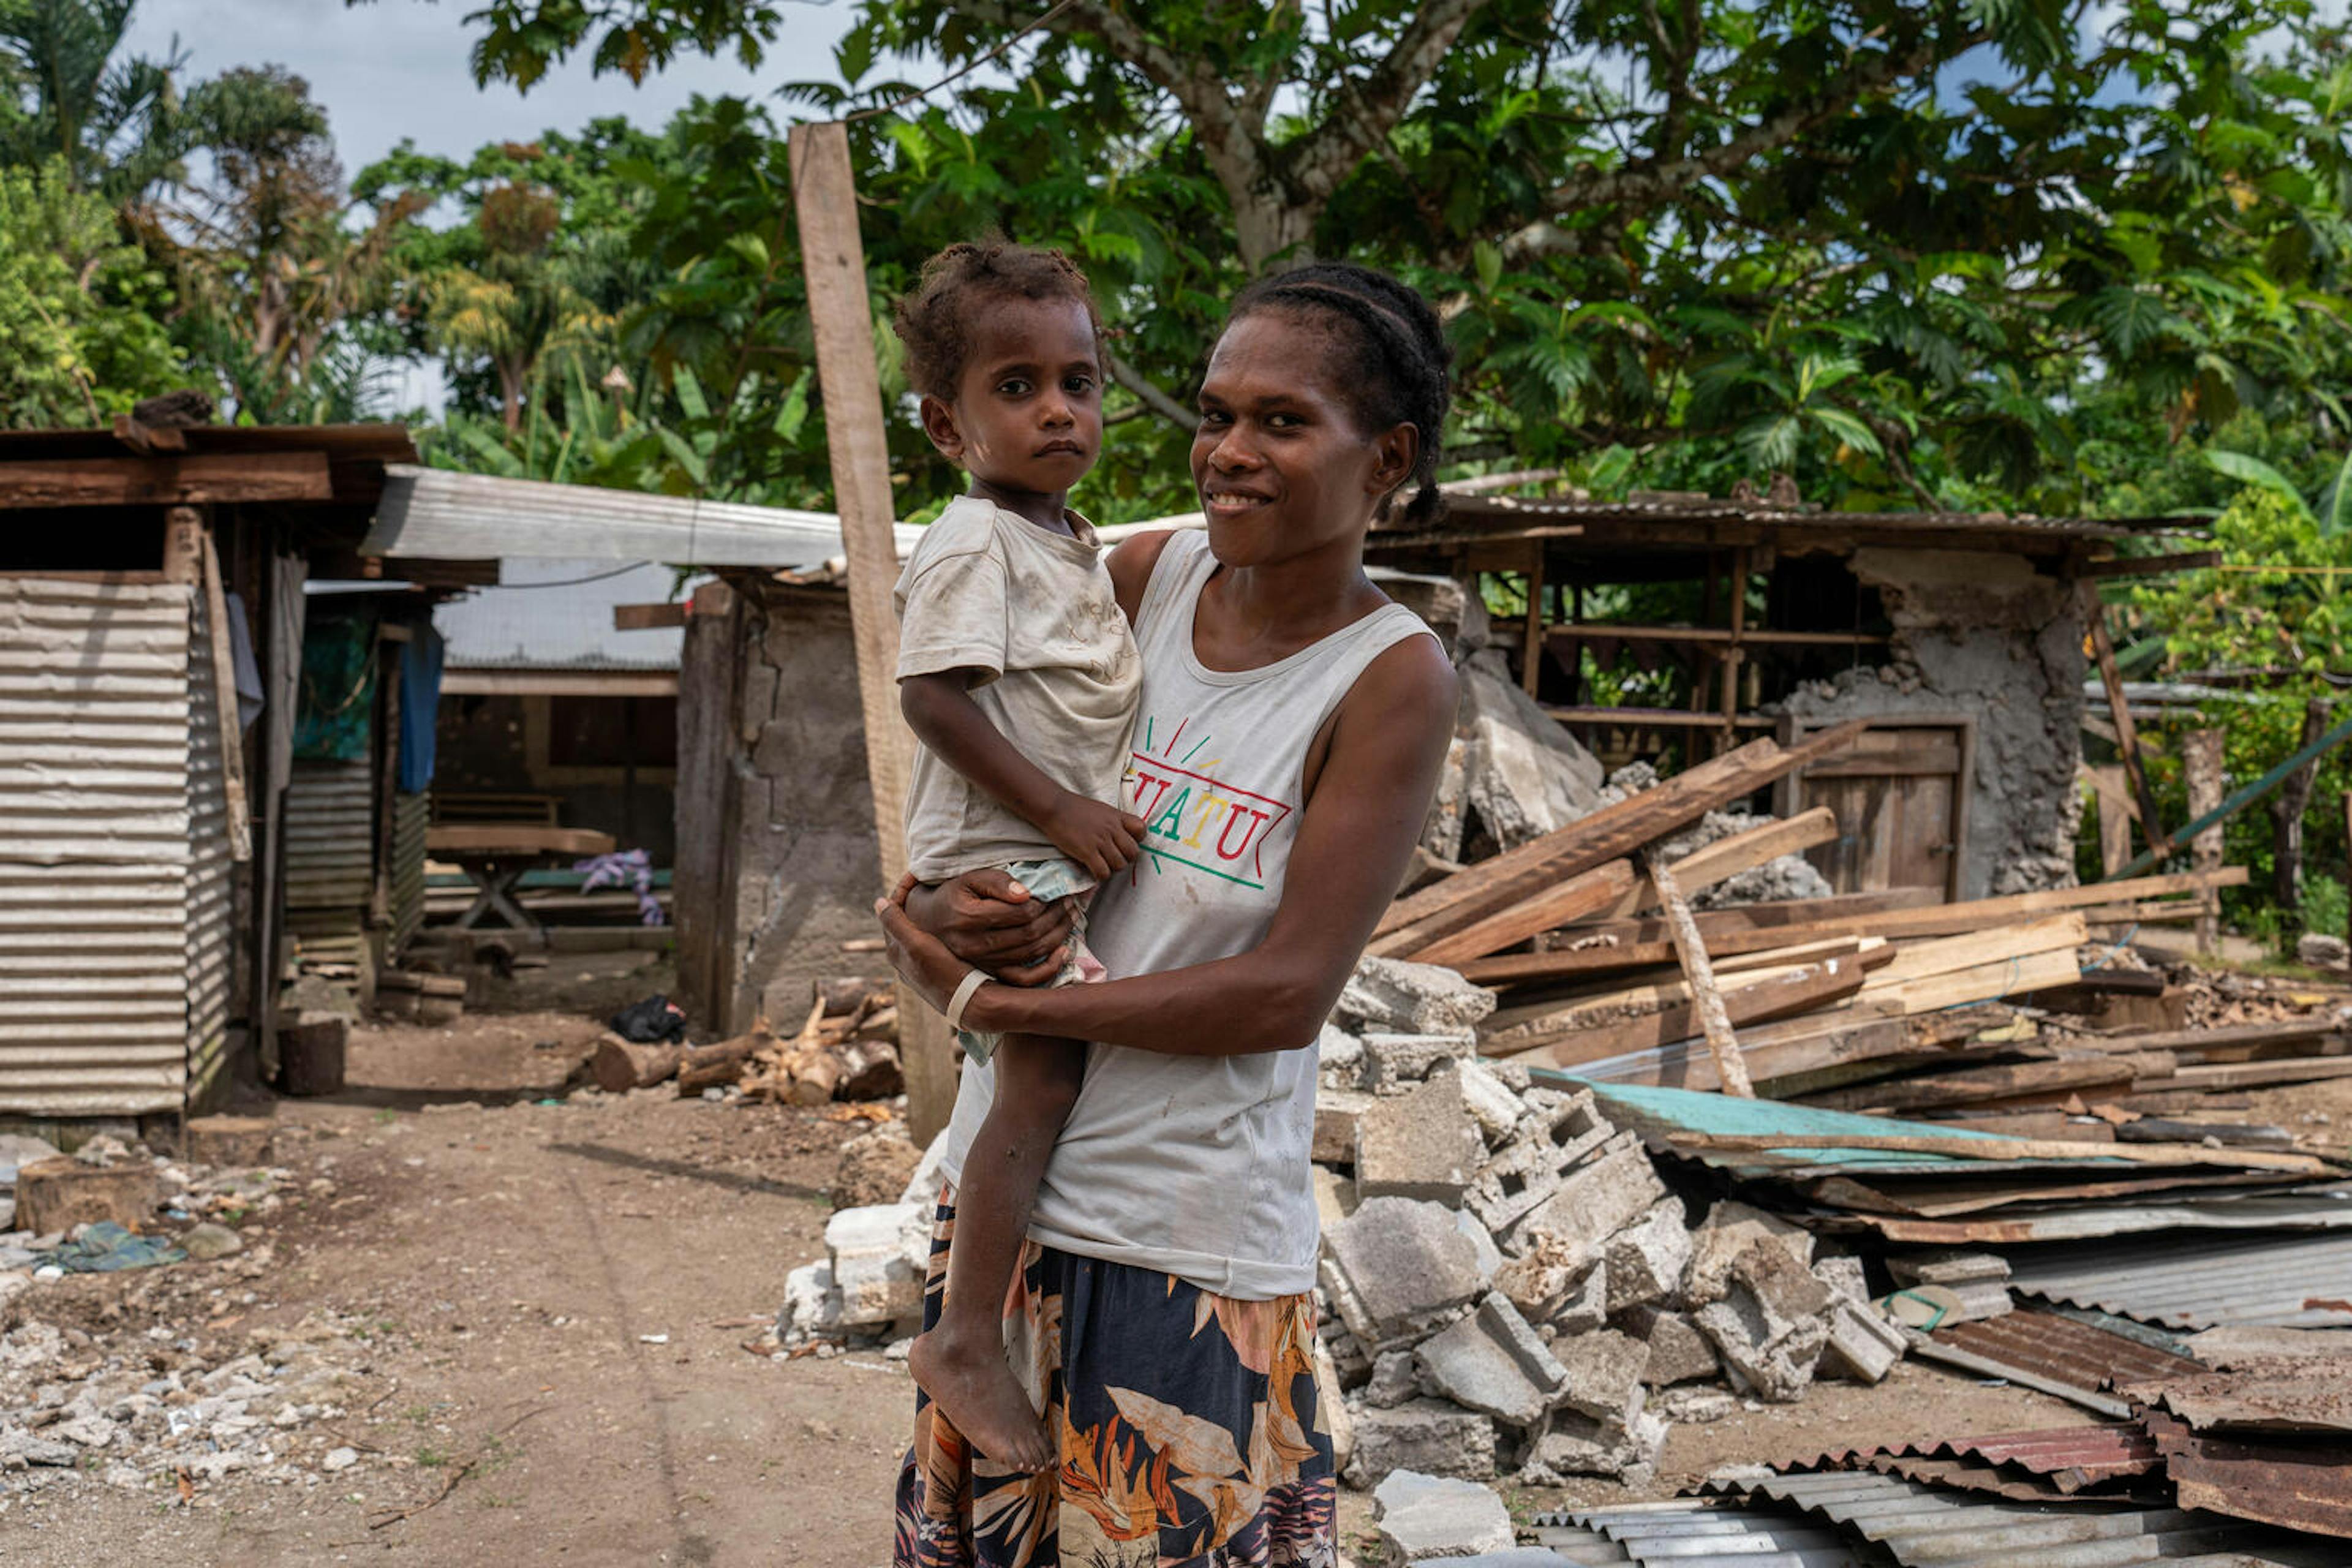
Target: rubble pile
{"points": [[1507, 1285], [158, 1409]]}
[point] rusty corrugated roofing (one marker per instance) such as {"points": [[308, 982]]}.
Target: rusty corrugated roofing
{"points": [[2056, 1350], [2197, 1282], [2058, 1460], [2299, 1484]]}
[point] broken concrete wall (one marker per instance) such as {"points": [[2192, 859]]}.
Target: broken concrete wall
{"points": [[1982, 634], [777, 861]]}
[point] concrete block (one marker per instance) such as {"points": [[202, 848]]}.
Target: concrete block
{"points": [[1491, 1103], [1335, 1195], [1394, 996], [1787, 1289], [1490, 1256], [1394, 1063], [1423, 1517], [1549, 1140], [1418, 1145], [1678, 1351], [1580, 1445], [878, 1254], [1492, 1361], [1647, 1258], [812, 1304], [1598, 1198], [1729, 1230], [1429, 1435], [230, 1139], [1844, 1275], [1695, 1406], [1560, 1285], [1603, 1374], [1396, 1380], [1339, 1057], [1400, 1266], [1773, 1360], [1336, 1111], [1947, 1266], [1863, 1345]]}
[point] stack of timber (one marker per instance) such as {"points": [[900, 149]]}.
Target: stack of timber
{"points": [[2022, 1006], [846, 1049]]}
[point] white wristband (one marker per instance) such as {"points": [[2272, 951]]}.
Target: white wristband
{"points": [[962, 997]]}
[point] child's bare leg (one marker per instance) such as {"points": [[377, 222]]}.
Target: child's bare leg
{"points": [[960, 1361]]}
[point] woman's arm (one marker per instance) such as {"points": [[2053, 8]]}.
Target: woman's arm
{"points": [[1366, 805]]}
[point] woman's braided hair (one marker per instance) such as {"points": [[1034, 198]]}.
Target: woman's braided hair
{"points": [[931, 321], [1397, 370]]}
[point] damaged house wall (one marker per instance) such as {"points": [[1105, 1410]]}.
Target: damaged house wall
{"points": [[776, 862], [1988, 636]]}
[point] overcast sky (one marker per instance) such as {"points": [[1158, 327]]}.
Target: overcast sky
{"points": [[391, 68]]}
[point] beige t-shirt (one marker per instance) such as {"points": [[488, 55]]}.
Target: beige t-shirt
{"points": [[1035, 613]]}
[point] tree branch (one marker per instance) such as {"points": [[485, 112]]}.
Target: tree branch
{"points": [[1149, 395], [1318, 163], [1647, 184]]}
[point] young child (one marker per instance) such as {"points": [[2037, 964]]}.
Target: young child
{"points": [[1019, 676]]}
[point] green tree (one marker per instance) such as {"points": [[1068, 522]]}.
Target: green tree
{"points": [[79, 334]]}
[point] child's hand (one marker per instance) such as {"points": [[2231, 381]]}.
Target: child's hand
{"points": [[1100, 837]]}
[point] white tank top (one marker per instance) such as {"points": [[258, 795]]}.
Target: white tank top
{"points": [[1198, 1166]]}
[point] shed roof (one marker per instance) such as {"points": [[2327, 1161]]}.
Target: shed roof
{"points": [[437, 514]]}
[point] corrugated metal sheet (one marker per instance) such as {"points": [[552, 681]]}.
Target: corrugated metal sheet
{"points": [[329, 836], [1918, 1525], [475, 517], [2195, 1281], [1694, 1534], [95, 831], [558, 615], [2048, 1464], [2294, 1482], [211, 935], [1471, 514], [412, 815], [2057, 1349]]}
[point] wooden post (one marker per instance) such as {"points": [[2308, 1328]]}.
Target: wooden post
{"points": [[2108, 786], [183, 544], [2103, 649], [2287, 808], [2200, 762], [232, 733], [841, 319], [1532, 644], [1730, 1066], [1734, 654]]}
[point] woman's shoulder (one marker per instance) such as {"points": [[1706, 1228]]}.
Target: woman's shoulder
{"points": [[1132, 562]]}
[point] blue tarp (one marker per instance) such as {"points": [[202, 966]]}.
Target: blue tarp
{"points": [[420, 708]]}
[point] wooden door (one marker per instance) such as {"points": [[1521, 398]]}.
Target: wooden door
{"points": [[1901, 798]]}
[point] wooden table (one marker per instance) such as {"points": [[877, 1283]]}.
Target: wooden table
{"points": [[495, 855]]}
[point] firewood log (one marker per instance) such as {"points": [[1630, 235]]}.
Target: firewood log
{"points": [[619, 1065]]}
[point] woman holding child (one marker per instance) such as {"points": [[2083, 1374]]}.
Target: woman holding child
{"points": [[1118, 1366]]}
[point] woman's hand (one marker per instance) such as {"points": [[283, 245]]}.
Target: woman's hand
{"points": [[919, 957], [989, 920]]}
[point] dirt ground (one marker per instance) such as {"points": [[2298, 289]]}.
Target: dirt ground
{"points": [[559, 1294]]}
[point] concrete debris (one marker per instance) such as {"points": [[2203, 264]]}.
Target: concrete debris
{"points": [[1400, 1267], [1646, 1260], [1604, 1372], [1695, 1406], [1580, 1445], [1339, 1057], [1336, 1111], [1678, 1351], [1394, 1063], [1418, 1145], [1950, 1286], [1426, 1434], [1729, 1230], [1492, 1361], [1598, 1198], [1389, 995], [1864, 1345], [1396, 1380], [879, 1255], [1550, 1143], [1522, 774], [1423, 1517], [1335, 1196], [1491, 1103], [1768, 1326]]}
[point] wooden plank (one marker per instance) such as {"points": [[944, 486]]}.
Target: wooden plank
{"points": [[1755, 1000], [841, 321], [1916, 961], [1986, 982], [1610, 834], [2246, 1075], [2152, 566], [2316, 1026], [1571, 900], [649, 618], [232, 733], [2012, 1149], [1972, 1086], [199, 479], [1706, 1002], [1644, 941], [2103, 650], [1726, 858], [559, 683], [1934, 760], [1652, 718], [515, 838], [1669, 987], [1858, 1043]]}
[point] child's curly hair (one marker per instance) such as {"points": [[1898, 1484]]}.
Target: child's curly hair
{"points": [[931, 321]]}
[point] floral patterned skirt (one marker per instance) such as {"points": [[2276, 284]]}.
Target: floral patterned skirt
{"points": [[1190, 1428]]}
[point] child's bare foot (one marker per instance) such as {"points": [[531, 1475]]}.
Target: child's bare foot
{"points": [[981, 1398]]}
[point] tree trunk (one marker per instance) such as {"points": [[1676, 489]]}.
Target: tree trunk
{"points": [[510, 395], [2287, 809], [1271, 231], [2200, 762]]}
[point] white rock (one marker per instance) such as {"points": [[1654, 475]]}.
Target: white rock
{"points": [[339, 1459]]}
